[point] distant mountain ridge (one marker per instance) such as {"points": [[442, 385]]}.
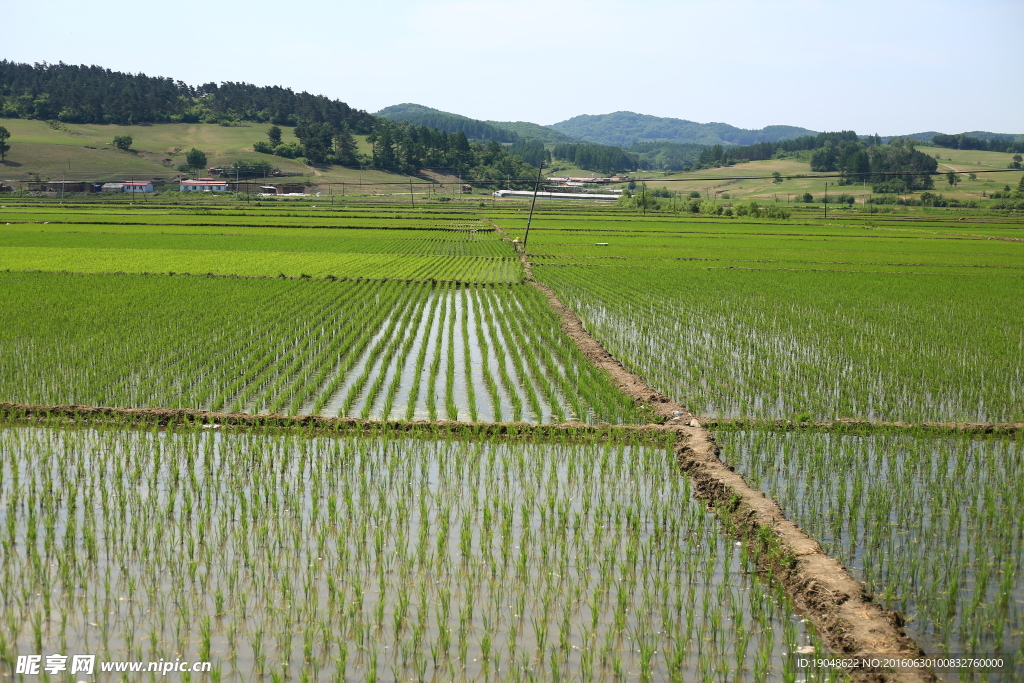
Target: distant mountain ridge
{"points": [[623, 128]]}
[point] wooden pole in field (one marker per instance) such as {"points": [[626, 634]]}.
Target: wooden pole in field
{"points": [[536, 187]]}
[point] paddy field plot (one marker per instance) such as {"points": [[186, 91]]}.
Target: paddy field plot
{"points": [[278, 554], [257, 245], [932, 525], [360, 348], [825, 343]]}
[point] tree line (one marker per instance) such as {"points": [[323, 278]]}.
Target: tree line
{"points": [[717, 155], [666, 156], [407, 148], [896, 168], [401, 147], [601, 158], [92, 94], [964, 141]]}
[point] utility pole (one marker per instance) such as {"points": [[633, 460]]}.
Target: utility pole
{"points": [[826, 199], [536, 186], [643, 195], [411, 199]]}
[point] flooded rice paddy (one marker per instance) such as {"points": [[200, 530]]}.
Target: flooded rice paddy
{"points": [[932, 525], [290, 556]]}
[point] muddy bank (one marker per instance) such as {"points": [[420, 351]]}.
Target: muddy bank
{"points": [[865, 426], [163, 417]]}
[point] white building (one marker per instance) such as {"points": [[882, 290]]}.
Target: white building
{"points": [[203, 184], [137, 186], [526, 194]]}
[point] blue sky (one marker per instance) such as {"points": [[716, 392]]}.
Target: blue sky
{"points": [[887, 67]]}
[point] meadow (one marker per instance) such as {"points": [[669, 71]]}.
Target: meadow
{"points": [[279, 555]]}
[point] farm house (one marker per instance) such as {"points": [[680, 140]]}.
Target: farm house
{"points": [[137, 186], [203, 184]]}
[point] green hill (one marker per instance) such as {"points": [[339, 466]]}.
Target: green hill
{"points": [[476, 129], [535, 131], [623, 128], [418, 115]]}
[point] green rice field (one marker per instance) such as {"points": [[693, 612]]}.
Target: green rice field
{"points": [[87, 241], [360, 348], [383, 551], [829, 343]]}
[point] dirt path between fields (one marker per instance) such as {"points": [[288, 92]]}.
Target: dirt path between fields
{"points": [[843, 612]]}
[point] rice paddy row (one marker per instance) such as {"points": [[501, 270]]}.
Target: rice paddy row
{"points": [[385, 350]]}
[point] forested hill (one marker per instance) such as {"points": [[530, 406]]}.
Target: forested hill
{"points": [[475, 129], [418, 115], [92, 94], [623, 128]]}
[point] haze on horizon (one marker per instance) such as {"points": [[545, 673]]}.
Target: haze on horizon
{"points": [[874, 67]]}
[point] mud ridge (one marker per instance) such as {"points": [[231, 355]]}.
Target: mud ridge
{"points": [[864, 426], [842, 611], [186, 416]]}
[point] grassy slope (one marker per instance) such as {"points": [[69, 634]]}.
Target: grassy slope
{"points": [[762, 189], [86, 151]]}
